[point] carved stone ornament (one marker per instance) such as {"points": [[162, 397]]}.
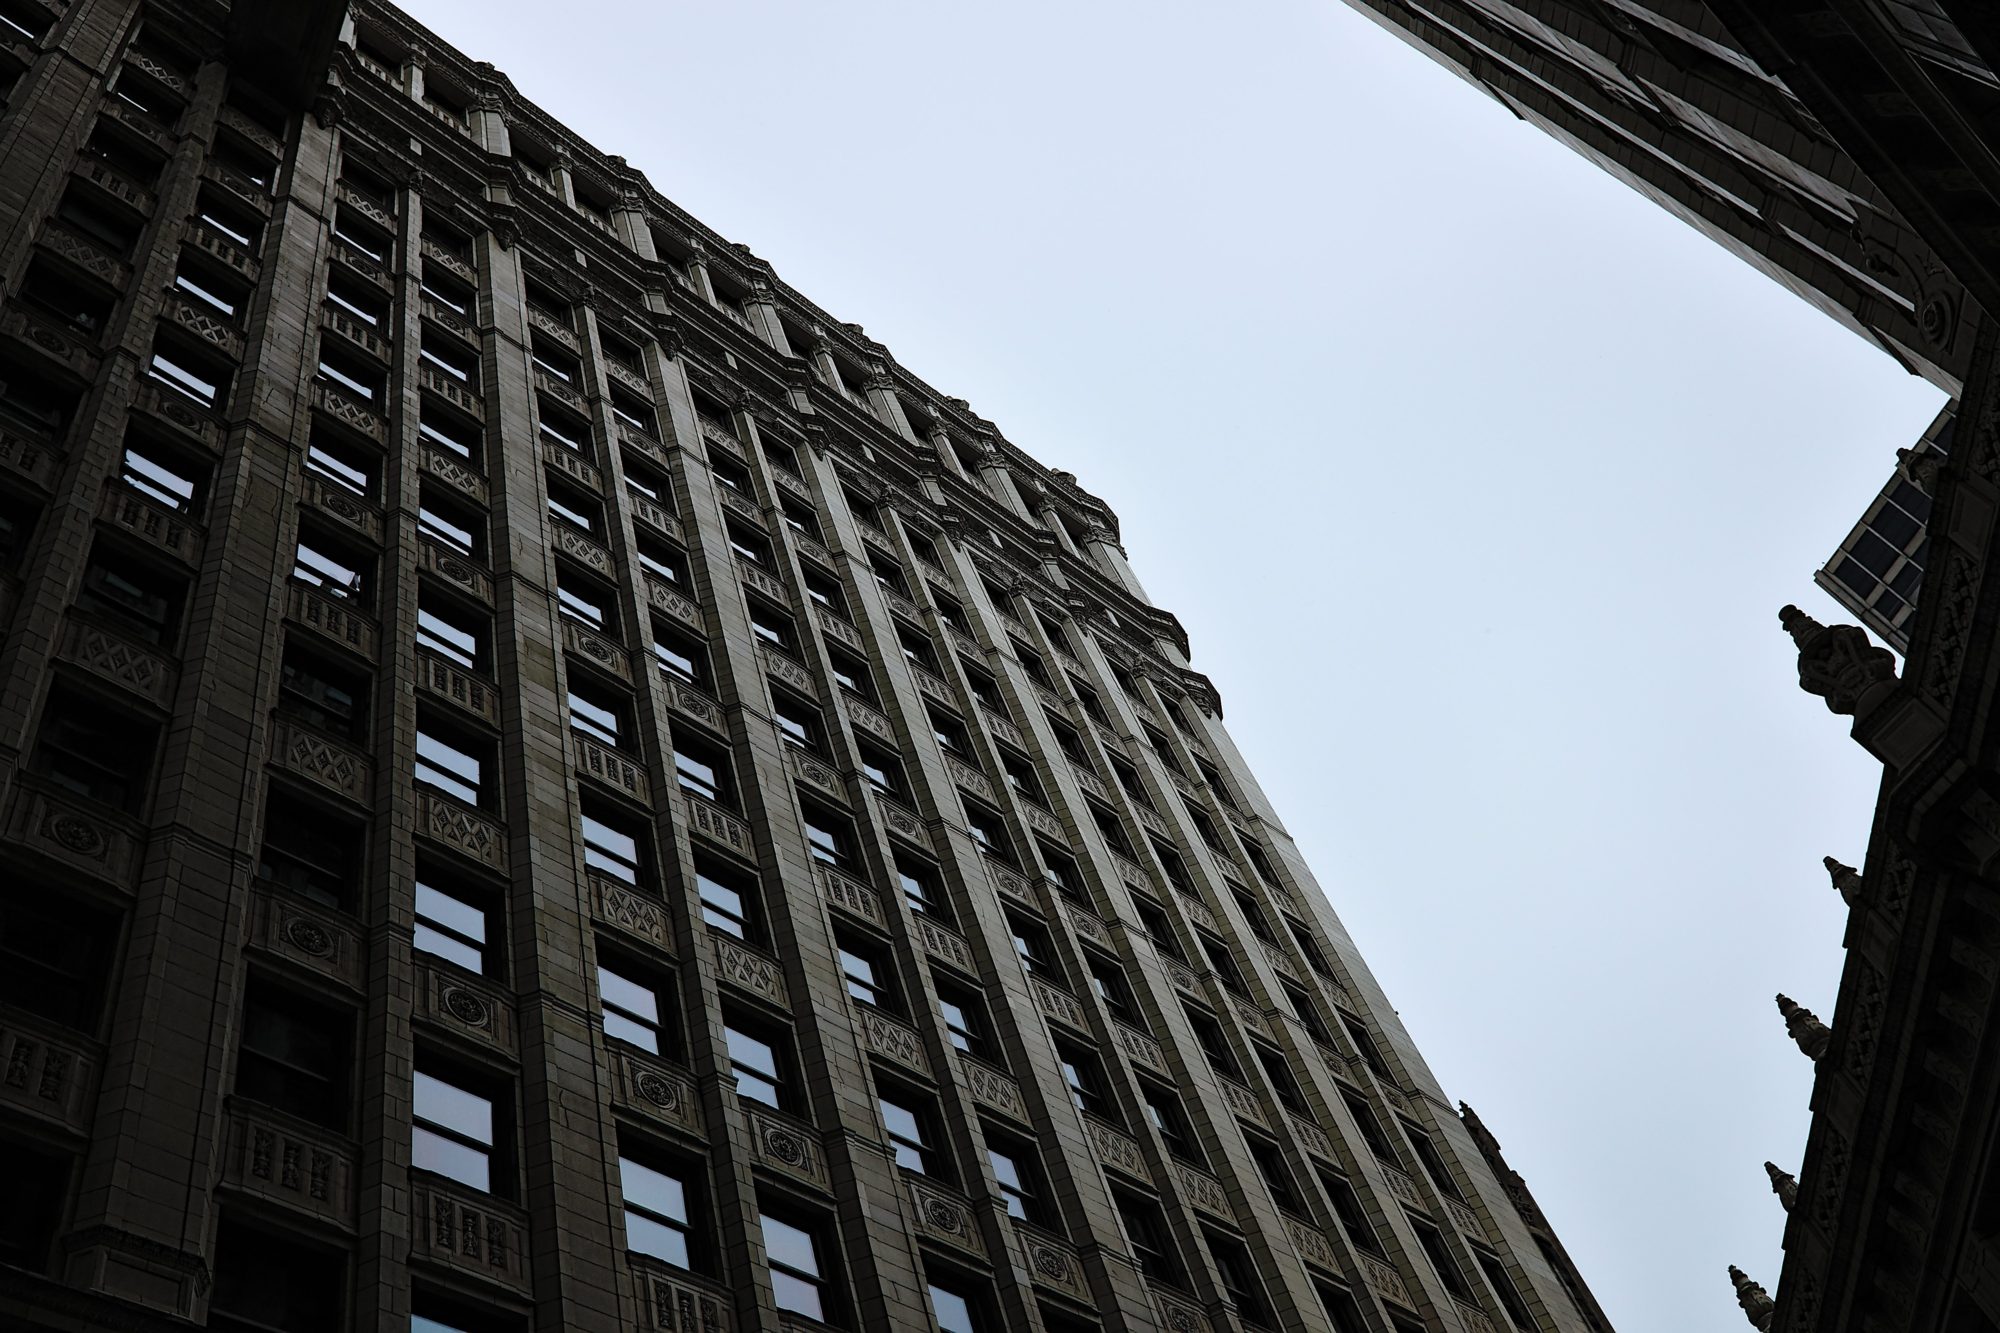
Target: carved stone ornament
{"points": [[1804, 1027], [659, 1091], [466, 1007], [1920, 469], [1757, 1305], [1847, 879], [1783, 1184], [308, 937], [1837, 662]]}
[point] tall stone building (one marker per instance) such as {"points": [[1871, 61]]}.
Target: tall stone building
{"points": [[546, 782], [1893, 1215]]}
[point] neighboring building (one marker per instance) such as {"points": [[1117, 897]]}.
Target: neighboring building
{"points": [[1877, 570], [545, 782]]}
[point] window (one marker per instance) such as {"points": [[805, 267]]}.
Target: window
{"points": [[570, 506], [1164, 1109], [309, 851], [450, 922], [1205, 828], [644, 481], [601, 715], [984, 689], [1214, 1043], [727, 900], [455, 1132], [921, 889], [18, 515], [52, 960], [773, 627], [829, 838], [703, 769], [952, 1312], [1364, 1045], [164, 477], [964, 1017], [950, 611], [988, 830], [1162, 747], [448, 433], [759, 1067], [357, 300], [1353, 1218], [1260, 862], [800, 518], [631, 410], [913, 1134], [888, 574], [1107, 978], [265, 1281], [1341, 1311], [1239, 1276], [824, 590], [1128, 781], [797, 1280], [1037, 954], [1022, 778], [1146, 1232], [882, 767], [1110, 830], [615, 848], [1432, 1160], [917, 649], [730, 474], [798, 723], [361, 235], [452, 526], [1062, 872], [1159, 928], [1213, 777], [560, 428], [851, 673], [658, 1220], [457, 636], [343, 464], [1018, 1172], [1308, 1012], [234, 223], [450, 764], [360, 378], [188, 374], [323, 565], [293, 1055], [93, 750], [1441, 1258], [1031, 662], [749, 546], [585, 601], [321, 695], [869, 975], [1277, 1176], [631, 1007], [950, 733], [782, 457], [663, 561], [1222, 962], [680, 654], [37, 1190], [1085, 1077], [1173, 868], [1371, 1128], [438, 285], [1503, 1287], [553, 361], [1093, 707]]}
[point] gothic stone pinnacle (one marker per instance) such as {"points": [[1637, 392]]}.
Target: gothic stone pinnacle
{"points": [[1845, 878], [1805, 1027], [1837, 662], [1783, 1184], [1757, 1305]]}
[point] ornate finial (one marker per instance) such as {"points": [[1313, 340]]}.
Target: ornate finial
{"points": [[1845, 878], [1804, 1027], [1920, 469], [1837, 663], [1783, 1184], [1757, 1305]]}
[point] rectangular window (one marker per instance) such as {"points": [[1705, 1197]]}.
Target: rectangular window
{"points": [[164, 477], [553, 361], [1440, 1255], [1277, 1176], [455, 363], [321, 564], [728, 901], [187, 375], [362, 236], [321, 695], [663, 561], [294, 1055], [917, 649], [913, 1134], [451, 526], [984, 689], [450, 923], [759, 1066], [585, 602], [570, 506], [1062, 872], [680, 654], [851, 673], [1110, 830], [309, 851], [799, 518], [658, 1219], [1107, 978], [266, 1281], [359, 301], [950, 734], [631, 1007], [360, 378], [748, 546], [1503, 1287], [1214, 1043], [1159, 927], [888, 574], [37, 1193], [94, 751], [1432, 1160], [560, 428], [953, 1312], [1164, 1109], [343, 464], [1347, 1208], [1085, 1078], [1222, 962], [450, 764], [869, 975], [646, 482], [1364, 1046], [1022, 778], [1019, 1174], [602, 715], [773, 627], [1239, 1276], [441, 287], [456, 636], [448, 433], [921, 889], [1371, 1128], [53, 956], [634, 412], [456, 1130], [1308, 1012], [703, 769], [824, 590], [1032, 946], [1152, 1246], [965, 1020], [829, 838], [798, 1282], [990, 832], [798, 723], [616, 849]]}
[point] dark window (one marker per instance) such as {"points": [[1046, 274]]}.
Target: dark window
{"points": [[108, 227], [456, 1129], [921, 888], [131, 595], [320, 694], [570, 506], [360, 378], [773, 627], [451, 525], [1503, 1287], [459, 637], [760, 1062], [1364, 1045], [309, 851], [730, 474], [1173, 867], [552, 360], [965, 1020], [1107, 978], [1093, 707], [824, 589], [1031, 662], [234, 222], [663, 561], [1022, 778], [631, 1006], [1164, 1109], [53, 956], [1277, 1176], [914, 1138], [917, 649], [343, 464], [800, 518], [1213, 777], [1253, 912], [447, 432], [18, 516], [703, 768], [1261, 863], [888, 574], [1239, 1276], [358, 300], [680, 654], [851, 673], [659, 1218], [1018, 1172], [37, 1187], [93, 750], [829, 838], [585, 601], [453, 764], [560, 428], [1085, 1078], [294, 1056], [1440, 1255], [749, 546], [1214, 1043], [984, 689], [869, 975], [616, 847], [1432, 1160], [633, 411], [643, 480], [268, 1283], [1308, 1012], [989, 831], [451, 924], [602, 715], [54, 292], [1146, 1232], [883, 768], [1159, 928], [1110, 830], [1128, 781], [1371, 1128], [440, 286], [1353, 1218], [798, 723], [950, 733], [952, 1311], [1162, 747], [950, 611], [1037, 954], [33, 404], [328, 566], [728, 901], [798, 1278], [1222, 962], [1062, 872]]}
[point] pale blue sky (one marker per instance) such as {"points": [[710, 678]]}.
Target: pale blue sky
{"points": [[1476, 479]]}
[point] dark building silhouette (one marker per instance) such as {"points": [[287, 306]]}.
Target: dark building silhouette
{"points": [[1894, 1212], [546, 782]]}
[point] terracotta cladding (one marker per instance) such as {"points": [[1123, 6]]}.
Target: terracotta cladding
{"points": [[696, 834]]}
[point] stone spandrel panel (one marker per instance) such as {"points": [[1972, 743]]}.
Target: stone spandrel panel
{"points": [[300, 1169], [82, 839], [46, 1072], [469, 1233]]}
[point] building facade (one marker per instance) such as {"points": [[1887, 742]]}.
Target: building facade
{"points": [[547, 783]]}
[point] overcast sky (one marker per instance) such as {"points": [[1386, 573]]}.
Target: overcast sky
{"points": [[1477, 480]]}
